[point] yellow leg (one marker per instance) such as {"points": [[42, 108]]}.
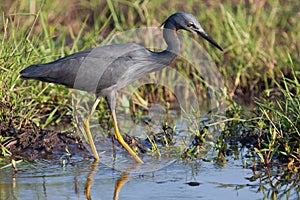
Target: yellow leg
{"points": [[119, 137], [88, 132]]}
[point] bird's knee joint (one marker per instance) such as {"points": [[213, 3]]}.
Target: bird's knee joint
{"points": [[86, 122]]}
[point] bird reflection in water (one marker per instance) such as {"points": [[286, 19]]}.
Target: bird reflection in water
{"points": [[89, 181]]}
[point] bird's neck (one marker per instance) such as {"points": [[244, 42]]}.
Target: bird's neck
{"points": [[171, 38], [173, 50]]}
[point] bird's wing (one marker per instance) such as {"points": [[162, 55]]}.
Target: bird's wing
{"points": [[85, 70], [127, 68], [62, 71], [104, 66]]}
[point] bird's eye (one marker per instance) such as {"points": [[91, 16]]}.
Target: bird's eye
{"points": [[191, 25]]}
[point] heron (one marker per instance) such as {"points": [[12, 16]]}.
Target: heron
{"points": [[106, 69]]}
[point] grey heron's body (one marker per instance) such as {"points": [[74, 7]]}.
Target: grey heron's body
{"points": [[106, 69]]}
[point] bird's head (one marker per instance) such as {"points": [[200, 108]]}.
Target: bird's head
{"points": [[187, 21]]}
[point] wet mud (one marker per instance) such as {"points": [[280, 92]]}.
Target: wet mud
{"points": [[32, 143]]}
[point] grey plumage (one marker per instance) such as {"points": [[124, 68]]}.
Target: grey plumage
{"points": [[106, 69]]}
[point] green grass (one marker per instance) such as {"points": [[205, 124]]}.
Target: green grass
{"points": [[261, 57], [279, 126], [274, 123]]}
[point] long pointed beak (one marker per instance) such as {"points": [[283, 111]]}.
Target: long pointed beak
{"points": [[208, 38]]}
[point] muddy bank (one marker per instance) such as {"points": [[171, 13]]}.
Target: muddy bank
{"points": [[32, 143]]}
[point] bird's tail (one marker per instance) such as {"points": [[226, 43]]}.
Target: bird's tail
{"points": [[34, 72]]}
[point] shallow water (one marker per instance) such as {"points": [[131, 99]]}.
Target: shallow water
{"points": [[52, 181], [87, 180]]}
